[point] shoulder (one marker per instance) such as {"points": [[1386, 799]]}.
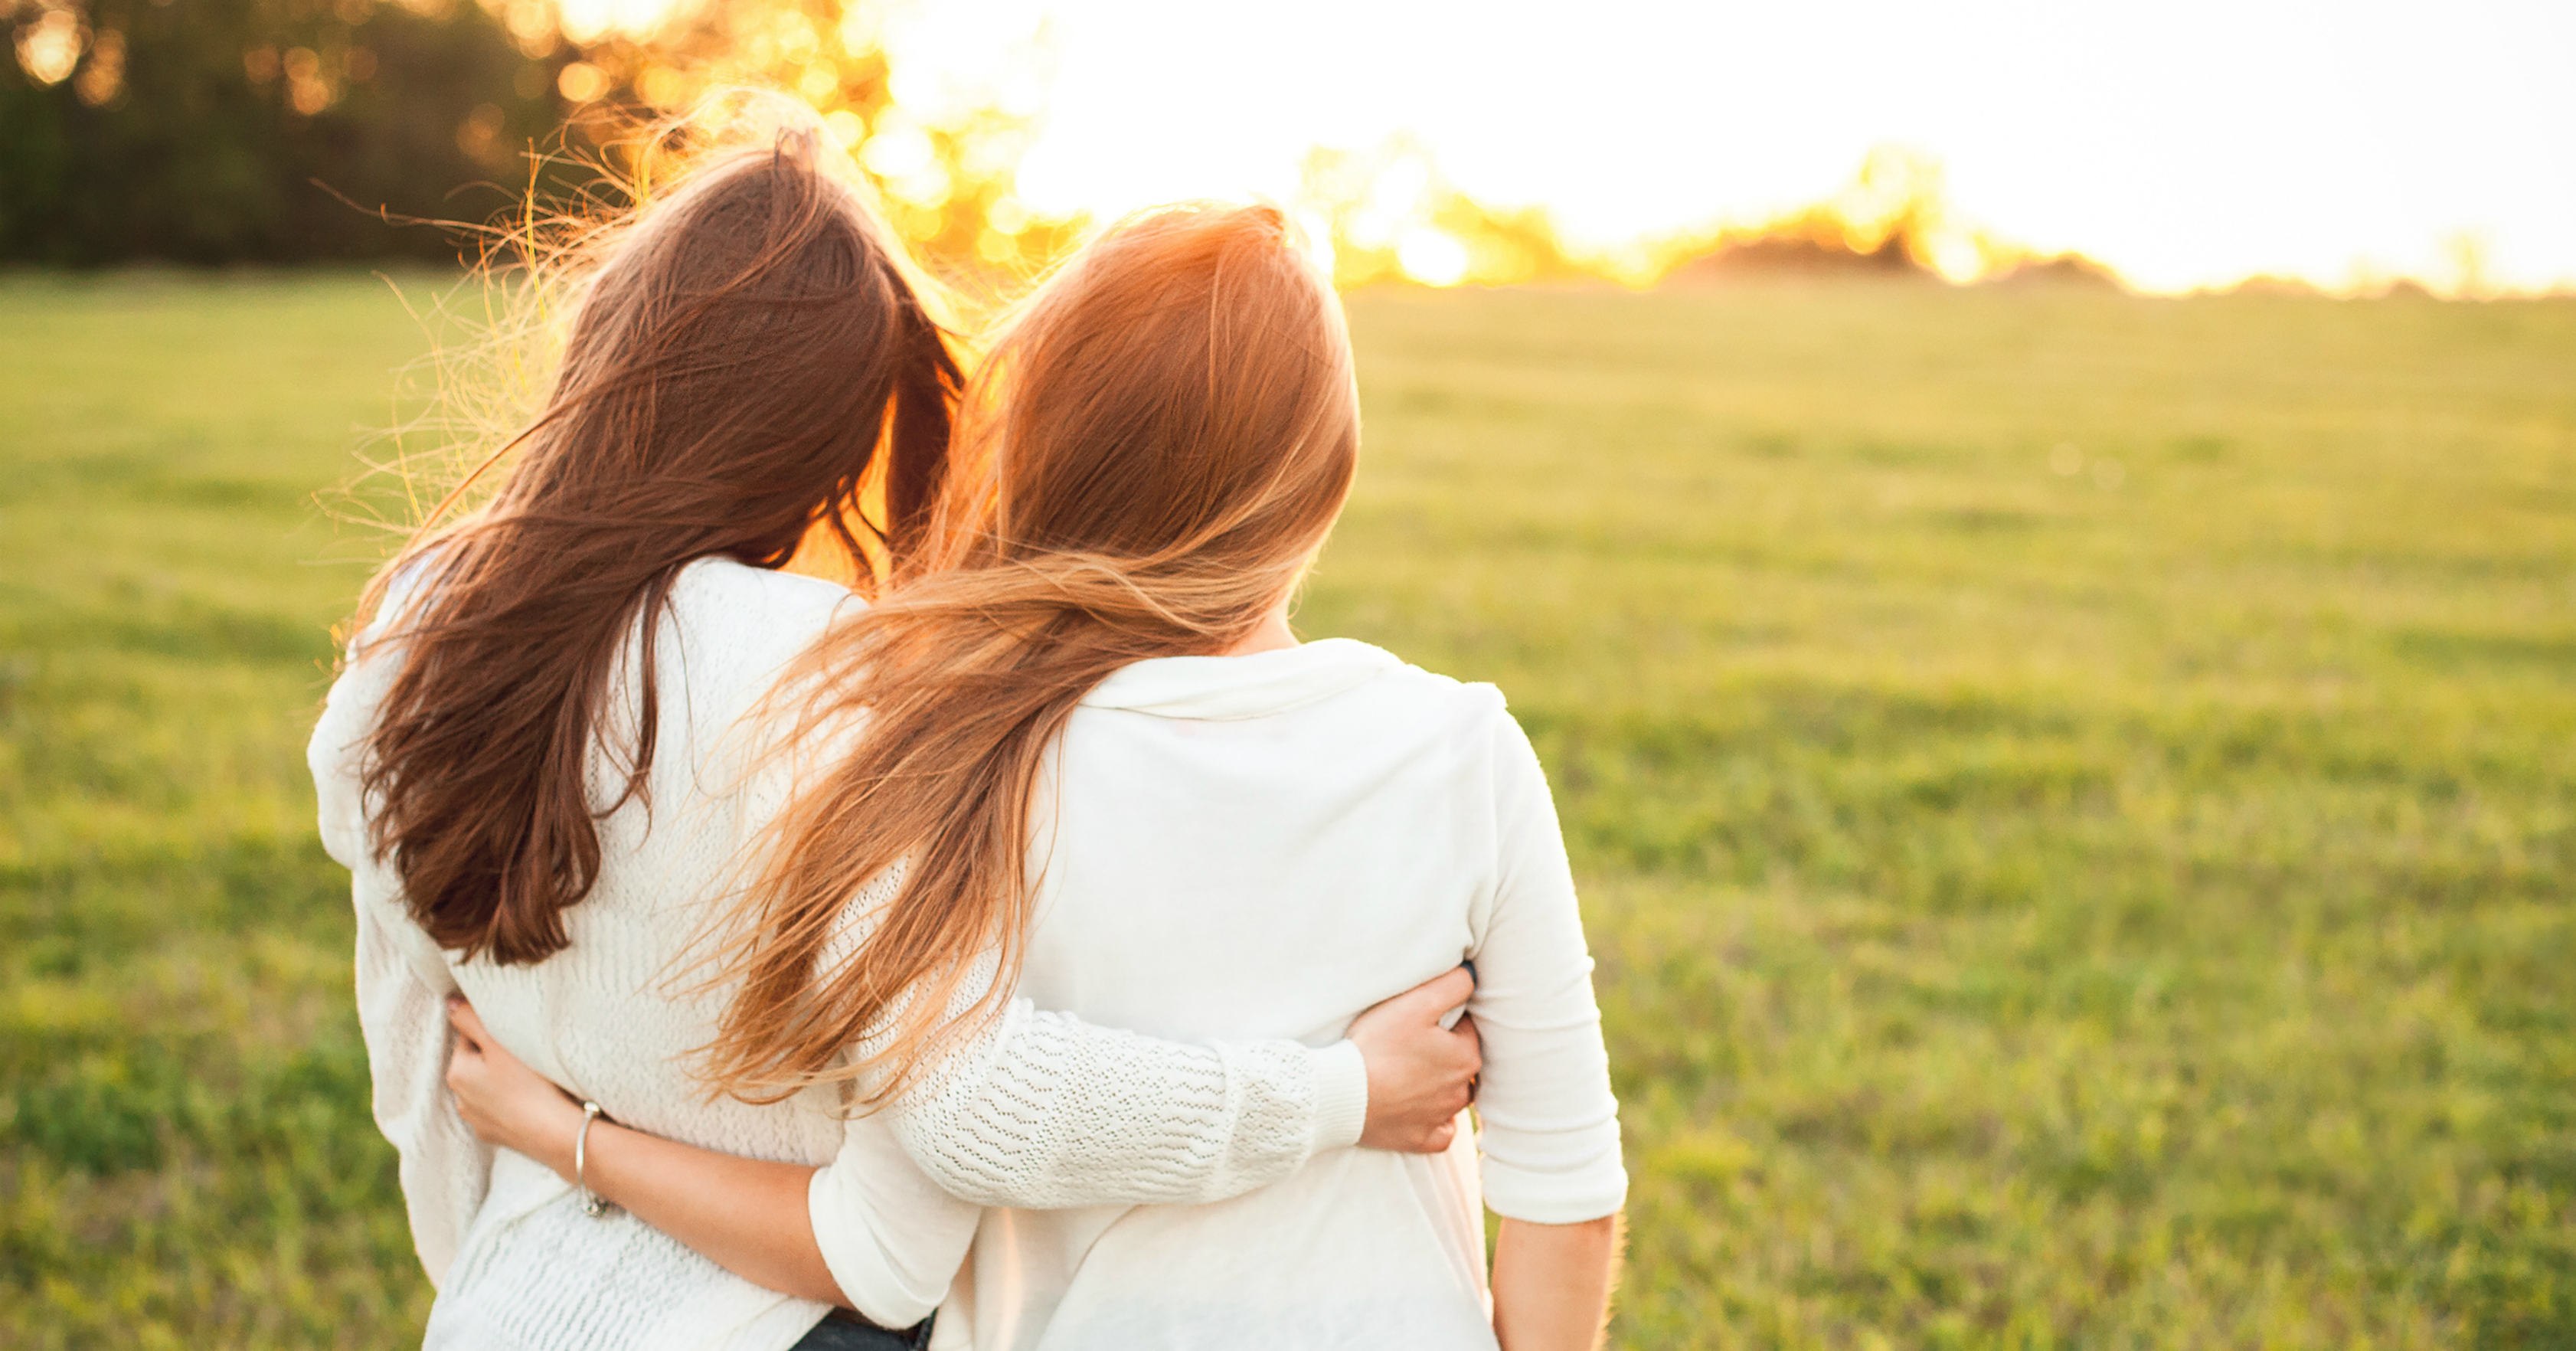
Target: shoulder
{"points": [[1473, 728], [734, 631], [732, 609], [1472, 718], [410, 584], [1444, 700], [721, 587], [374, 657]]}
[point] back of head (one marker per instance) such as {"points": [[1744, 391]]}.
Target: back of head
{"points": [[1151, 455], [740, 350], [732, 355], [1179, 399]]}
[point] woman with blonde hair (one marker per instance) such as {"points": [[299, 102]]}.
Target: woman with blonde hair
{"points": [[1091, 743], [539, 762]]}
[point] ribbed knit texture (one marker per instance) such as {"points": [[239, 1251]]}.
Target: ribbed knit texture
{"points": [[1016, 1122], [1036, 1110]]}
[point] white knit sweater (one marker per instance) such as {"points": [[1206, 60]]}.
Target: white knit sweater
{"points": [[1040, 1110]]}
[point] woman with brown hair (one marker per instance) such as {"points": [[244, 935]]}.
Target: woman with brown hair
{"points": [[539, 765], [1090, 742]]}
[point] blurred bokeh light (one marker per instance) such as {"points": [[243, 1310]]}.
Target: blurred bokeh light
{"points": [[2182, 146]]}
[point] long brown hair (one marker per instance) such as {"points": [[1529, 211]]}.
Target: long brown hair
{"points": [[1149, 457], [740, 349]]}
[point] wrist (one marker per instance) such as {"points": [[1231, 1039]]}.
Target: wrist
{"points": [[559, 1135]]}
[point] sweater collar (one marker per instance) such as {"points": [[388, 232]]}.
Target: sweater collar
{"points": [[1252, 686]]}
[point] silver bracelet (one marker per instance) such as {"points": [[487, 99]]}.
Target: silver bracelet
{"points": [[592, 1203]]}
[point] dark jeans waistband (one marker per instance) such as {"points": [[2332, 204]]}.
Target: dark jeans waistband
{"points": [[842, 1330]]}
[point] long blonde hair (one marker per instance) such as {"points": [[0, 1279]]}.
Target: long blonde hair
{"points": [[1149, 457]]}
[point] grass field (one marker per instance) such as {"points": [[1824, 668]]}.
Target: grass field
{"points": [[2074, 795]]}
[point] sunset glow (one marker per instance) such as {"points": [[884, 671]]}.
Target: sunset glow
{"points": [[2188, 144]]}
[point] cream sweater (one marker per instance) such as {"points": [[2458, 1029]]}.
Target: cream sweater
{"points": [[1263, 846], [1041, 1110]]}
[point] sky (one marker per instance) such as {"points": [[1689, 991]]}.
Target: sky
{"points": [[2184, 142]]}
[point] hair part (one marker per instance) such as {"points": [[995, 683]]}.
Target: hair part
{"points": [[746, 351], [1147, 461]]}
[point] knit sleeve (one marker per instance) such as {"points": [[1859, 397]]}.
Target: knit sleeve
{"points": [[402, 985], [1042, 1110], [444, 1170]]}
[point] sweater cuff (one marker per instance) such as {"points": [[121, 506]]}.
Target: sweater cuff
{"points": [[1341, 1095], [855, 1254], [1587, 1193]]}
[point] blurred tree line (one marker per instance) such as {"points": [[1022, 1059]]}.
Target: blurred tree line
{"points": [[216, 131], [210, 131]]}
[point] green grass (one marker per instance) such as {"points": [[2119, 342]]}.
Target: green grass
{"points": [[186, 1157], [2126, 907]]}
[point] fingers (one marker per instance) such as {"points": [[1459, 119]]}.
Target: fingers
{"points": [[1425, 1003], [1470, 1045], [464, 1067], [1421, 1007], [1436, 996], [1461, 1055], [1424, 1056], [465, 1059], [467, 1023]]}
